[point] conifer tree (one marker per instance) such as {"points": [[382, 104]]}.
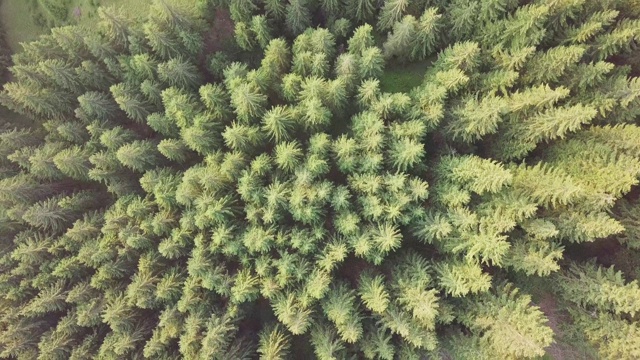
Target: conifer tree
{"points": [[97, 105], [428, 29], [516, 330], [262, 30], [248, 102], [244, 36], [130, 102], [179, 73], [361, 10], [391, 13], [298, 16], [400, 40], [241, 10], [138, 155]]}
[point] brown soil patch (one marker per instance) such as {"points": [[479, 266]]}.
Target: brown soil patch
{"points": [[220, 33], [559, 349], [549, 307]]}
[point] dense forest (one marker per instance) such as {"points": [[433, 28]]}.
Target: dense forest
{"points": [[177, 195]]}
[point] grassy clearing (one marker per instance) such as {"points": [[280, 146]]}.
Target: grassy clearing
{"points": [[404, 77], [17, 16], [18, 23]]}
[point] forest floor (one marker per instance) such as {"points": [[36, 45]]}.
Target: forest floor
{"points": [[560, 349], [404, 77], [220, 32], [564, 346], [9, 117]]}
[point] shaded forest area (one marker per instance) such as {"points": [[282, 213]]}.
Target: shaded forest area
{"points": [[288, 179]]}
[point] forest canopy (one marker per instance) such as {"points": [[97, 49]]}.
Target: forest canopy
{"points": [[269, 199]]}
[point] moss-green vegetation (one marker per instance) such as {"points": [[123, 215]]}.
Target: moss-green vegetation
{"points": [[404, 77], [18, 24]]}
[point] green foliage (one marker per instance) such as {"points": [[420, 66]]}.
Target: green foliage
{"points": [[590, 286], [373, 294], [326, 344], [241, 10], [248, 102], [244, 36], [74, 163], [413, 39], [179, 73], [601, 307], [138, 155], [174, 200], [361, 10], [298, 16], [392, 12], [509, 326], [274, 344], [260, 27], [341, 310], [278, 123]]}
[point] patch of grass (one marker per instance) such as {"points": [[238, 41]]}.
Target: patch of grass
{"points": [[404, 77], [18, 24]]}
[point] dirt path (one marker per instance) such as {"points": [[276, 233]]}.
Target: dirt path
{"points": [[221, 32], [559, 350]]}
